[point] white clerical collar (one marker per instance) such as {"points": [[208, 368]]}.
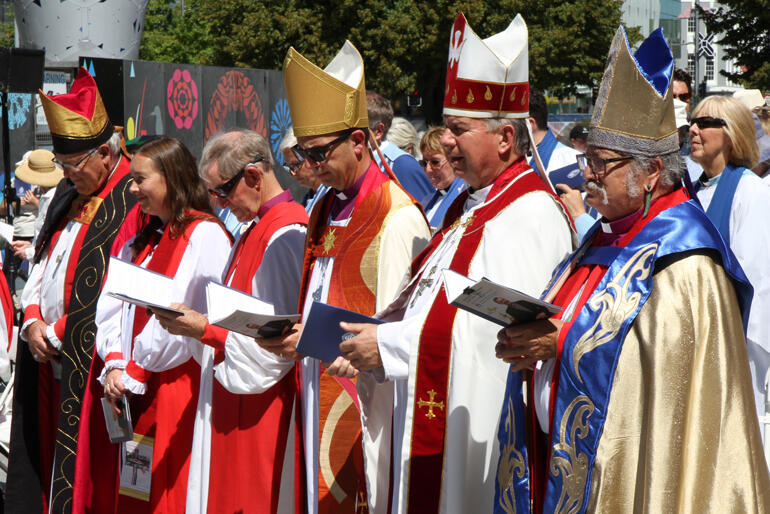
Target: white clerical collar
{"points": [[341, 195]]}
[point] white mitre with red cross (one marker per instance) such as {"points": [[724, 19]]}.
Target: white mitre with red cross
{"points": [[487, 78]]}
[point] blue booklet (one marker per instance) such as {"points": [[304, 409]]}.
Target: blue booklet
{"points": [[569, 175], [322, 335]]}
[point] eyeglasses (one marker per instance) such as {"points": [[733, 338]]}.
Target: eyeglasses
{"points": [[685, 97], [598, 165], [705, 122], [224, 190], [317, 154], [294, 166], [434, 163], [69, 166]]}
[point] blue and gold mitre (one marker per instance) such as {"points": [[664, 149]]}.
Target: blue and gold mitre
{"points": [[634, 111]]}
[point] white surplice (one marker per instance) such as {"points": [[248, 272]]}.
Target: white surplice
{"points": [[405, 234], [750, 242], [519, 248], [247, 368], [154, 349]]}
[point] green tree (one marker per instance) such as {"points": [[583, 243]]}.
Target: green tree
{"points": [[743, 27], [404, 43], [7, 27]]}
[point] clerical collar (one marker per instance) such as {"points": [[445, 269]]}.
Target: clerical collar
{"points": [[285, 196], [612, 231], [344, 201], [706, 181]]}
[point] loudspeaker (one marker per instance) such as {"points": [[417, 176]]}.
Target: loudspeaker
{"points": [[21, 69]]}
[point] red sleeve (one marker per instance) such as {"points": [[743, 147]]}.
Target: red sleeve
{"points": [[33, 312], [128, 229], [59, 327], [214, 336]]}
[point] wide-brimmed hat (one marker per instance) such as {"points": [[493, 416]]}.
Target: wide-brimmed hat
{"points": [[39, 169]]}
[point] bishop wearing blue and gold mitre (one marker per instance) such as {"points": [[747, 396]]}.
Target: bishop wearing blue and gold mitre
{"points": [[641, 397]]}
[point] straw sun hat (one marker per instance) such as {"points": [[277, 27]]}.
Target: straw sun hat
{"points": [[39, 169]]}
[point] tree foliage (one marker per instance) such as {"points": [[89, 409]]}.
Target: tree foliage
{"points": [[404, 43], [743, 27]]}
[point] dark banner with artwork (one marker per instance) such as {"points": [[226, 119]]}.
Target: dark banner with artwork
{"points": [[192, 103], [21, 136]]}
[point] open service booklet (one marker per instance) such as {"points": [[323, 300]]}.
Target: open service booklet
{"points": [[493, 302], [239, 312], [133, 284]]}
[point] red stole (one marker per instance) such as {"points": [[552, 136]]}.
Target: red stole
{"points": [[7, 304], [249, 431], [344, 458], [431, 398], [587, 278], [166, 412]]}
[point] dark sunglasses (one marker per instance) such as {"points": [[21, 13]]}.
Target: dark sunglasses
{"points": [[705, 122], [435, 163], [597, 164], [685, 97], [224, 190], [317, 154]]}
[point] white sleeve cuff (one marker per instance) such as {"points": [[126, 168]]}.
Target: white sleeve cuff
{"points": [[24, 327], [395, 358], [109, 366], [29, 253], [133, 384], [50, 333]]}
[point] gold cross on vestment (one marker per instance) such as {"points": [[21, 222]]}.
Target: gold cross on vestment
{"points": [[362, 507], [430, 404], [463, 224], [328, 241]]}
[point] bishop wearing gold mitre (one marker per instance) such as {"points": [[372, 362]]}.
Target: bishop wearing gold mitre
{"points": [[52, 436], [361, 238]]}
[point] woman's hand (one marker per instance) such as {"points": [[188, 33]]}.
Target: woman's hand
{"points": [[114, 391]]}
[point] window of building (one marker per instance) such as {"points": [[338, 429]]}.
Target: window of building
{"points": [[691, 22], [709, 68], [691, 64]]}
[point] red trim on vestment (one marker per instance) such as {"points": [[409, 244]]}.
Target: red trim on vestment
{"points": [[113, 356], [435, 347]]}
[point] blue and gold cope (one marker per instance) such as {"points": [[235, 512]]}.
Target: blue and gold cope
{"points": [[590, 355]]}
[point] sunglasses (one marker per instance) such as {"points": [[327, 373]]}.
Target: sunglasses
{"points": [[317, 154], [705, 122], [685, 97], [224, 190], [434, 163], [293, 167]]}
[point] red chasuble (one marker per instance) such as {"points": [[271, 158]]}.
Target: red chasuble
{"points": [[338, 401], [583, 280], [435, 347], [249, 431], [164, 416]]}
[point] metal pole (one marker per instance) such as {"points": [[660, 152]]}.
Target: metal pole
{"points": [[11, 263], [697, 57]]}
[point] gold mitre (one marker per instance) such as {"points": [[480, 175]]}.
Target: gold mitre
{"points": [[78, 120], [328, 100], [634, 111]]}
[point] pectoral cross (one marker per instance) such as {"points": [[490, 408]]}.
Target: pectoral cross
{"points": [[430, 404], [328, 241], [422, 284]]}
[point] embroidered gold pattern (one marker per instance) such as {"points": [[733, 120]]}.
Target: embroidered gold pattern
{"points": [[513, 95], [454, 96], [488, 94], [470, 98], [615, 304], [430, 404], [329, 239], [574, 466], [511, 462]]}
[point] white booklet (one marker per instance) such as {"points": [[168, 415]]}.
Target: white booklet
{"points": [[133, 284], [239, 312], [493, 302], [6, 231]]}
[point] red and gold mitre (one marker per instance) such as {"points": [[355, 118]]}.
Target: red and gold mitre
{"points": [[487, 78], [329, 100], [78, 120]]}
